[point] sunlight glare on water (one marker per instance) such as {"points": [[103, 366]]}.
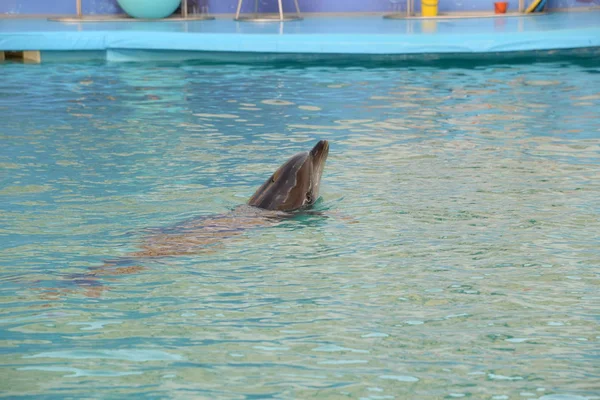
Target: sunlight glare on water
{"points": [[454, 253]]}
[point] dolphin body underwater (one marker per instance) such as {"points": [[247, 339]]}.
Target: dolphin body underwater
{"points": [[293, 187]]}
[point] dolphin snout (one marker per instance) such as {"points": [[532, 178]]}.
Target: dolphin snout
{"points": [[321, 147]]}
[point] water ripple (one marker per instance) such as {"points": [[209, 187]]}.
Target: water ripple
{"points": [[454, 252]]}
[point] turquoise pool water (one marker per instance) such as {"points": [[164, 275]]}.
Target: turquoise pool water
{"points": [[455, 253]]}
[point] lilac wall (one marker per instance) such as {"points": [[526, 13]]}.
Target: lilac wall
{"points": [[229, 6], [58, 7]]}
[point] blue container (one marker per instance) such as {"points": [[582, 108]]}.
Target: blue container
{"points": [[150, 9]]}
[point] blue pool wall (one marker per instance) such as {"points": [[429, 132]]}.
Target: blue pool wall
{"points": [[65, 7]]}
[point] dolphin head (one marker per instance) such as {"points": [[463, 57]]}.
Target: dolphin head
{"points": [[295, 184]]}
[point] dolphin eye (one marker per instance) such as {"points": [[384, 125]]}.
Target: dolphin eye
{"points": [[272, 179], [309, 198]]}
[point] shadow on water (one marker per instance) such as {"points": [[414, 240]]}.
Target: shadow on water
{"points": [[318, 215], [583, 57]]}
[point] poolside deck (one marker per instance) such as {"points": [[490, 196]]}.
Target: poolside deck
{"points": [[313, 36]]}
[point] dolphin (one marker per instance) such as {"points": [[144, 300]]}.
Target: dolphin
{"points": [[293, 187]]}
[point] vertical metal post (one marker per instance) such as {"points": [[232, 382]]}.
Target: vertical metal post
{"points": [[255, 6], [78, 8], [280, 10], [237, 13], [184, 10], [297, 8]]}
